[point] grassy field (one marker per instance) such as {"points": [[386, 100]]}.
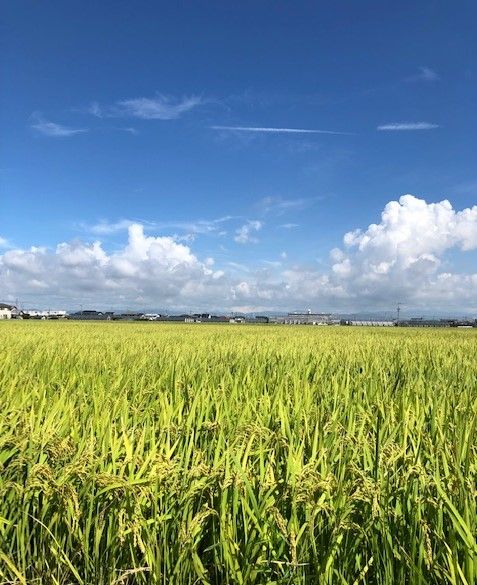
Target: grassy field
{"points": [[157, 453]]}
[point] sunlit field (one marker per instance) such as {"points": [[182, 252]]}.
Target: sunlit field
{"points": [[138, 453]]}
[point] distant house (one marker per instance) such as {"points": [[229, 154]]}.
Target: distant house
{"points": [[129, 316], [90, 315], [261, 319], [7, 311], [237, 319]]}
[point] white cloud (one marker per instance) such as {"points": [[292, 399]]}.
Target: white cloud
{"points": [[411, 226], [428, 74], [279, 205], [158, 269], [4, 243], [397, 126], [160, 107], [275, 130], [105, 228], [425, 74], [191, 228], [95, 109], [245, 234], [404, 256], [52, 129], [129, 130]]}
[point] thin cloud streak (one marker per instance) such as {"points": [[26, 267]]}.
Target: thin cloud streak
{"points": [[279, 206], [160, 107], [399, 126], [129, 130], [198, 226], [48, 128], [267, 130]]}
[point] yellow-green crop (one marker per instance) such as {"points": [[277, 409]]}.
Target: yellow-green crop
{"points": [[138, 453]]}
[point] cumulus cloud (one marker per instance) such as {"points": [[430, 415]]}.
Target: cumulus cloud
{"points": [[403, 256], [245, 234], [157, 269]]}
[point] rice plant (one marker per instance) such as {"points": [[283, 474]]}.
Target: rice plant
{"points": [[134, 453]]}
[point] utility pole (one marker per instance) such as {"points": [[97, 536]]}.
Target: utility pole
{"points": [[398, 311]]}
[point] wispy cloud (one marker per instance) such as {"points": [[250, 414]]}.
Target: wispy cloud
{"points": [[129, 130], [266, 130], [239, 267], [4, 243], [106, 228], [289, 226], [279, 205], [245, 234], [407, 126], [425, 74], [160, 107], [48, 128], [95, 110], [428, 74], [191, 228], [200, 226]]}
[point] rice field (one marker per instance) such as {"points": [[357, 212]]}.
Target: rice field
{"points": [[134, 453]]}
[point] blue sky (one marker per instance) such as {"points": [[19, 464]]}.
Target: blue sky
{"points": [[177, 119]]}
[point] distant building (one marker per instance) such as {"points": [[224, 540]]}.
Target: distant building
{"points": [[202, 316], [308, 318], [7, 311], [360, 323], [421, 322], [128, 316], [261, 319], [237, 319], [37, 314], [89, 315]]}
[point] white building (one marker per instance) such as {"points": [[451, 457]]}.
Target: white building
{"points": [[6, 311], [309, 318], [35, 314], [360, 323]]}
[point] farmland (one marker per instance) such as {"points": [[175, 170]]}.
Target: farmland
{"points": [[161, 453]]}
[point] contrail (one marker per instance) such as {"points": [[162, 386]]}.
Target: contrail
{"points": [[276, 130]]}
